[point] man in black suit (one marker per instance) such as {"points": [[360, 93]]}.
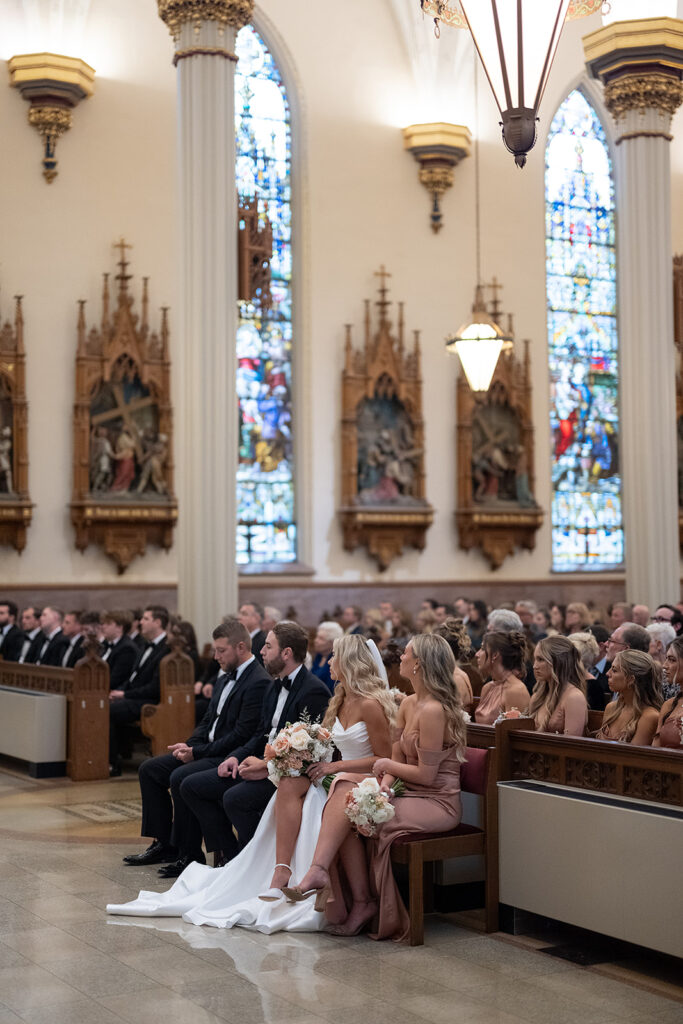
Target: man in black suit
{"points": [[11, 637], [134, 633], [71, 627], [54, 642], [238, 791], [251, 616], [33, 635], [351, 619], [232, 717], [119, 652], [142, 687]]}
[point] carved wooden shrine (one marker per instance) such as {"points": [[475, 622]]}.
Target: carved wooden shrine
{"points": [[496, 510], [383, 480], [123, 429], [15, 503], [254, 253], [678, 339]]}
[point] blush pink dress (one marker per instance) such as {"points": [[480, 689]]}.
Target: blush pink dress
{"points": [[424, 809], [491, 705], [670, 732]]}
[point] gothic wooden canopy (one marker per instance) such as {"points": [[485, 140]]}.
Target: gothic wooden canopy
{"points": [[15, 503], [123, 428]]}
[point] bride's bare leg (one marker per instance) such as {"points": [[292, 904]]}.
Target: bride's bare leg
{"points": [[336, 827], [289, 803]]}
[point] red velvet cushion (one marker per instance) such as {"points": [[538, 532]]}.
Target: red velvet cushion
{"points": [[473, 771]]}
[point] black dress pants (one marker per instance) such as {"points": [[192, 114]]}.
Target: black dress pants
{"points": [[205, 794], [166, 816]]}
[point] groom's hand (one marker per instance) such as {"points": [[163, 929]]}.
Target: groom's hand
{"points": [[228, 769], [253, 768]]}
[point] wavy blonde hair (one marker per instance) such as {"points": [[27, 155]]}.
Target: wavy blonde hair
{"points": [[644, 671], [357, 676], [437, 663], [566, 670]]}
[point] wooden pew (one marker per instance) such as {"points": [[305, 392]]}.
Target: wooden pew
{"points": [[86, 688], [172, 719]]}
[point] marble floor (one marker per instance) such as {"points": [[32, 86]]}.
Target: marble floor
{"points": [[62, 961]]}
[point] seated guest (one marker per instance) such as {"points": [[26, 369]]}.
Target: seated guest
{"points": [[527, 611], [251, 616], [120, 653], [619, 613], [577, 618], [501, 659], [183, 630], [232, 717], [661, 635], [134, 633], [33, 635], [641, 615], [327, 633], [386, 610], [73, 631], [444, 611], [558, 703], [54, 642], [91, 624], [669, 731], [373, 625], [542, 622], [351, 620], [557, 613], [11, 637], [233, 797], [672, 673], [401, 625], [476, 623], [633, 716], [461, 608], [589, 652], [454, 633], [504, 620], [601, 666], [392, 652], [142, 686], [426, 621], [271, 615]]}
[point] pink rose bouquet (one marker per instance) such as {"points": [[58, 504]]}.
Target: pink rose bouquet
{"points": [[296, 747]]}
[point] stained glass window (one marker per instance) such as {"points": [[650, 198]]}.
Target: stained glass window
{"points": [[266, 528], [583, 344]]}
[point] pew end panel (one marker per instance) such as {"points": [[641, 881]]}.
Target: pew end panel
{"points": [[172, 719]]}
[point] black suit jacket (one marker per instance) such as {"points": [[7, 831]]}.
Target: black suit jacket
{"points": [[239, 717], [12, 644], [308, 696], [55, 651], [35, 647], [257, 643], [121, 660], [76, 653], [143, 684]]}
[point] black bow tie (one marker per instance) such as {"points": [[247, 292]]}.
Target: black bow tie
{"points": [[229, 676], [283, 684]]}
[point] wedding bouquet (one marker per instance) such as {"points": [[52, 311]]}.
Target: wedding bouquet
{"points": [[505, 716], [367, 807], [295, 747]]}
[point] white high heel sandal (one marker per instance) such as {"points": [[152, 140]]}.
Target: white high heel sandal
{"points": [[272, 895]]}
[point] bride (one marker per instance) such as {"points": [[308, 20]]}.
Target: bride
{"points": [[246, 891]]}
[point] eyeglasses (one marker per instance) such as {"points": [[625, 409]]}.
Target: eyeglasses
{"points": [[617, 643], [659, 618]]}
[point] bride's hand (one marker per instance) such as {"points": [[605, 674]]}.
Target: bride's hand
{"points": [[319, 770]]}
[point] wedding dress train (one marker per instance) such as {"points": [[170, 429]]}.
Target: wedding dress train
{"points": [[228, 896]]}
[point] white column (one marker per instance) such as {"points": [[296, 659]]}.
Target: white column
{"points": [[206, 426], [648, 371]]}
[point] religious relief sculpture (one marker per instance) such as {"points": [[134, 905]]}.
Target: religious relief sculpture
{"points": [[383, 481], [678, 340], [123, 470], [15, 504], [495, 442]]}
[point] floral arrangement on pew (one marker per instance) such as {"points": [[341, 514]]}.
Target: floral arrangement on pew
{"points": [[296, 747], [367, 807]]}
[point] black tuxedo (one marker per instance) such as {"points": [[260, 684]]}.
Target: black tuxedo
{"points": [[55, 650], [168, 818], [121, 659], [34, 648], [76, 652], [219, 804], [142, 687], [257, 642], [12, 644]]}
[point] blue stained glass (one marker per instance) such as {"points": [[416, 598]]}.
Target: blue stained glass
{"points": [[266, 525], [583, 342]]}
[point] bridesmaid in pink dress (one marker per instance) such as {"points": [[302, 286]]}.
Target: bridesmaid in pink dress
{"points": [[427, 754], [558, 702], [501, 657], [670, 725]]}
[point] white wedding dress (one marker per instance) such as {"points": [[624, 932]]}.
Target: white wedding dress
{"points": [[228, 896]]}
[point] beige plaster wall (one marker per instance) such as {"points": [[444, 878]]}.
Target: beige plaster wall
{"points": [[361, 205]]}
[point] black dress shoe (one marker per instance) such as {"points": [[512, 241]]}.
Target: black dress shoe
{"points": [[114, 771], [157, 853], [177, 868]]}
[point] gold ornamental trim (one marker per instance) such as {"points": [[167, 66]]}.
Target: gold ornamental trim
{"points": [[50, 121], [644, 135], [235, 13], [203, 51], [636, 39], [642, 92]]}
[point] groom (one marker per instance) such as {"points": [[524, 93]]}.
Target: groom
{"points": [[236, 794]]}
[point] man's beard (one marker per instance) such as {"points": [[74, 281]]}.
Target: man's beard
{"points": [[275, 666]]}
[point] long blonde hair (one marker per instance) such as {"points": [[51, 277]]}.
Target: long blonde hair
{"points": [[357, 677], [437, 663], [566, 670], [646, 693]]}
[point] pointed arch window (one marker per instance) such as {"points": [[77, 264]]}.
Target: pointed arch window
{"points": [[266, 524], [583, 342]]}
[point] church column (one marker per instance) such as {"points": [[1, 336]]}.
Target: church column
{"points": [[640, 64], [204, 34]]}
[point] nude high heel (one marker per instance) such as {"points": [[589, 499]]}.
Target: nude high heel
{"points": [[322, 893], [272, 895]]}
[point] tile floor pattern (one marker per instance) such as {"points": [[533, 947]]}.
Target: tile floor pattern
{"points": [[62, 961]]}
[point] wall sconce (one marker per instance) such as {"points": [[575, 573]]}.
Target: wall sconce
{"points": [[53, 85], [438, 148]]}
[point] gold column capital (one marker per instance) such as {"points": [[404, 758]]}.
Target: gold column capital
{"points": [[642, 91], [233, 13]]}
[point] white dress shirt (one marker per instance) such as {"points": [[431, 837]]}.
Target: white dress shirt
{"points": [[281, 701]]}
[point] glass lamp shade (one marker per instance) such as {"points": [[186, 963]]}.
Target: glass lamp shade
{"points": [[478, 343], [516, 41], [634, 10]]}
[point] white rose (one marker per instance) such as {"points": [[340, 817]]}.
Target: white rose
{"points": [[299, 740], [368, 786]]}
